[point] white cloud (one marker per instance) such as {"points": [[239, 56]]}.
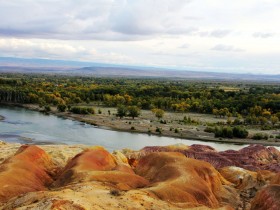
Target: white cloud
{"points": [[226, 48], [56, 50], [184, 46], [263, 35], [45, 48], [88, 19]]}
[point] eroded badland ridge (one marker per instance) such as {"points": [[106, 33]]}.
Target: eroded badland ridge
{"points": [[170, 177]]}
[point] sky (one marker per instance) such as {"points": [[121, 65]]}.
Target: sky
{"points": [[240, 36]]}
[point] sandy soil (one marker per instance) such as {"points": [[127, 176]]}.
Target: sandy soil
{"points": [[148, 123]]}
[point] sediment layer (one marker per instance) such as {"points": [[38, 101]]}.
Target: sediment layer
{"points": [[171, 177]]}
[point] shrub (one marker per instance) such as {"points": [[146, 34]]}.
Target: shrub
{"points": [[158, 113], [229, 132], [176, 130], [225, 132], [82, 110], [61, 107], [47, 108], [115, 192], [158, 130], [132, 128], [163, 121], [90, 110], [187, 120], [266, 127], [209, 130], [237, 122], [259, 136], [240, 132]]}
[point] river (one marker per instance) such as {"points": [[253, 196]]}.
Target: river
{"points": [[25, 126]]}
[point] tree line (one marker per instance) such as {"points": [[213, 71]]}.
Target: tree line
{"points": [[248, 103]]}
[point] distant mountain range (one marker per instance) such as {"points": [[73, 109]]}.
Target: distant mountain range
{"points": [[22, 65]]}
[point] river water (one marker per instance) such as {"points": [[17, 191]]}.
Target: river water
{"points": [[26, 126]]}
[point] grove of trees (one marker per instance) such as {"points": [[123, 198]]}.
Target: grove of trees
{"points": [[253, 104]]}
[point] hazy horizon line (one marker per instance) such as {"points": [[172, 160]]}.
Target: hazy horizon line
{"points": [[88, 64]]}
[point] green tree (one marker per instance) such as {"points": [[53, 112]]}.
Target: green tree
{"points": [[133, 111], [240, 132], [61, 107], [225, 132], [223, 112], [159, 113], [215, 112], [263, 120], [266, 113], [47, 108], [82, 110], [256, 110], [274, 119], [121, 111]]}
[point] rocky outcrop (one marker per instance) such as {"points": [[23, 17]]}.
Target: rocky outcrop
{"points": [[253, 157], [248, 169], [276, 179], [93, 195], [28, 170], [185, 182], [172, 177], [97, 164], [242, 178], [246, 182], [267, 198], [7, 150]]}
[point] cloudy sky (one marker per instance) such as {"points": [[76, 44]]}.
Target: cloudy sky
{"points": [[208, 35]]}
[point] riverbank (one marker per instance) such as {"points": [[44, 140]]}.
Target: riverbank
{"points": [[147, 123]]}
